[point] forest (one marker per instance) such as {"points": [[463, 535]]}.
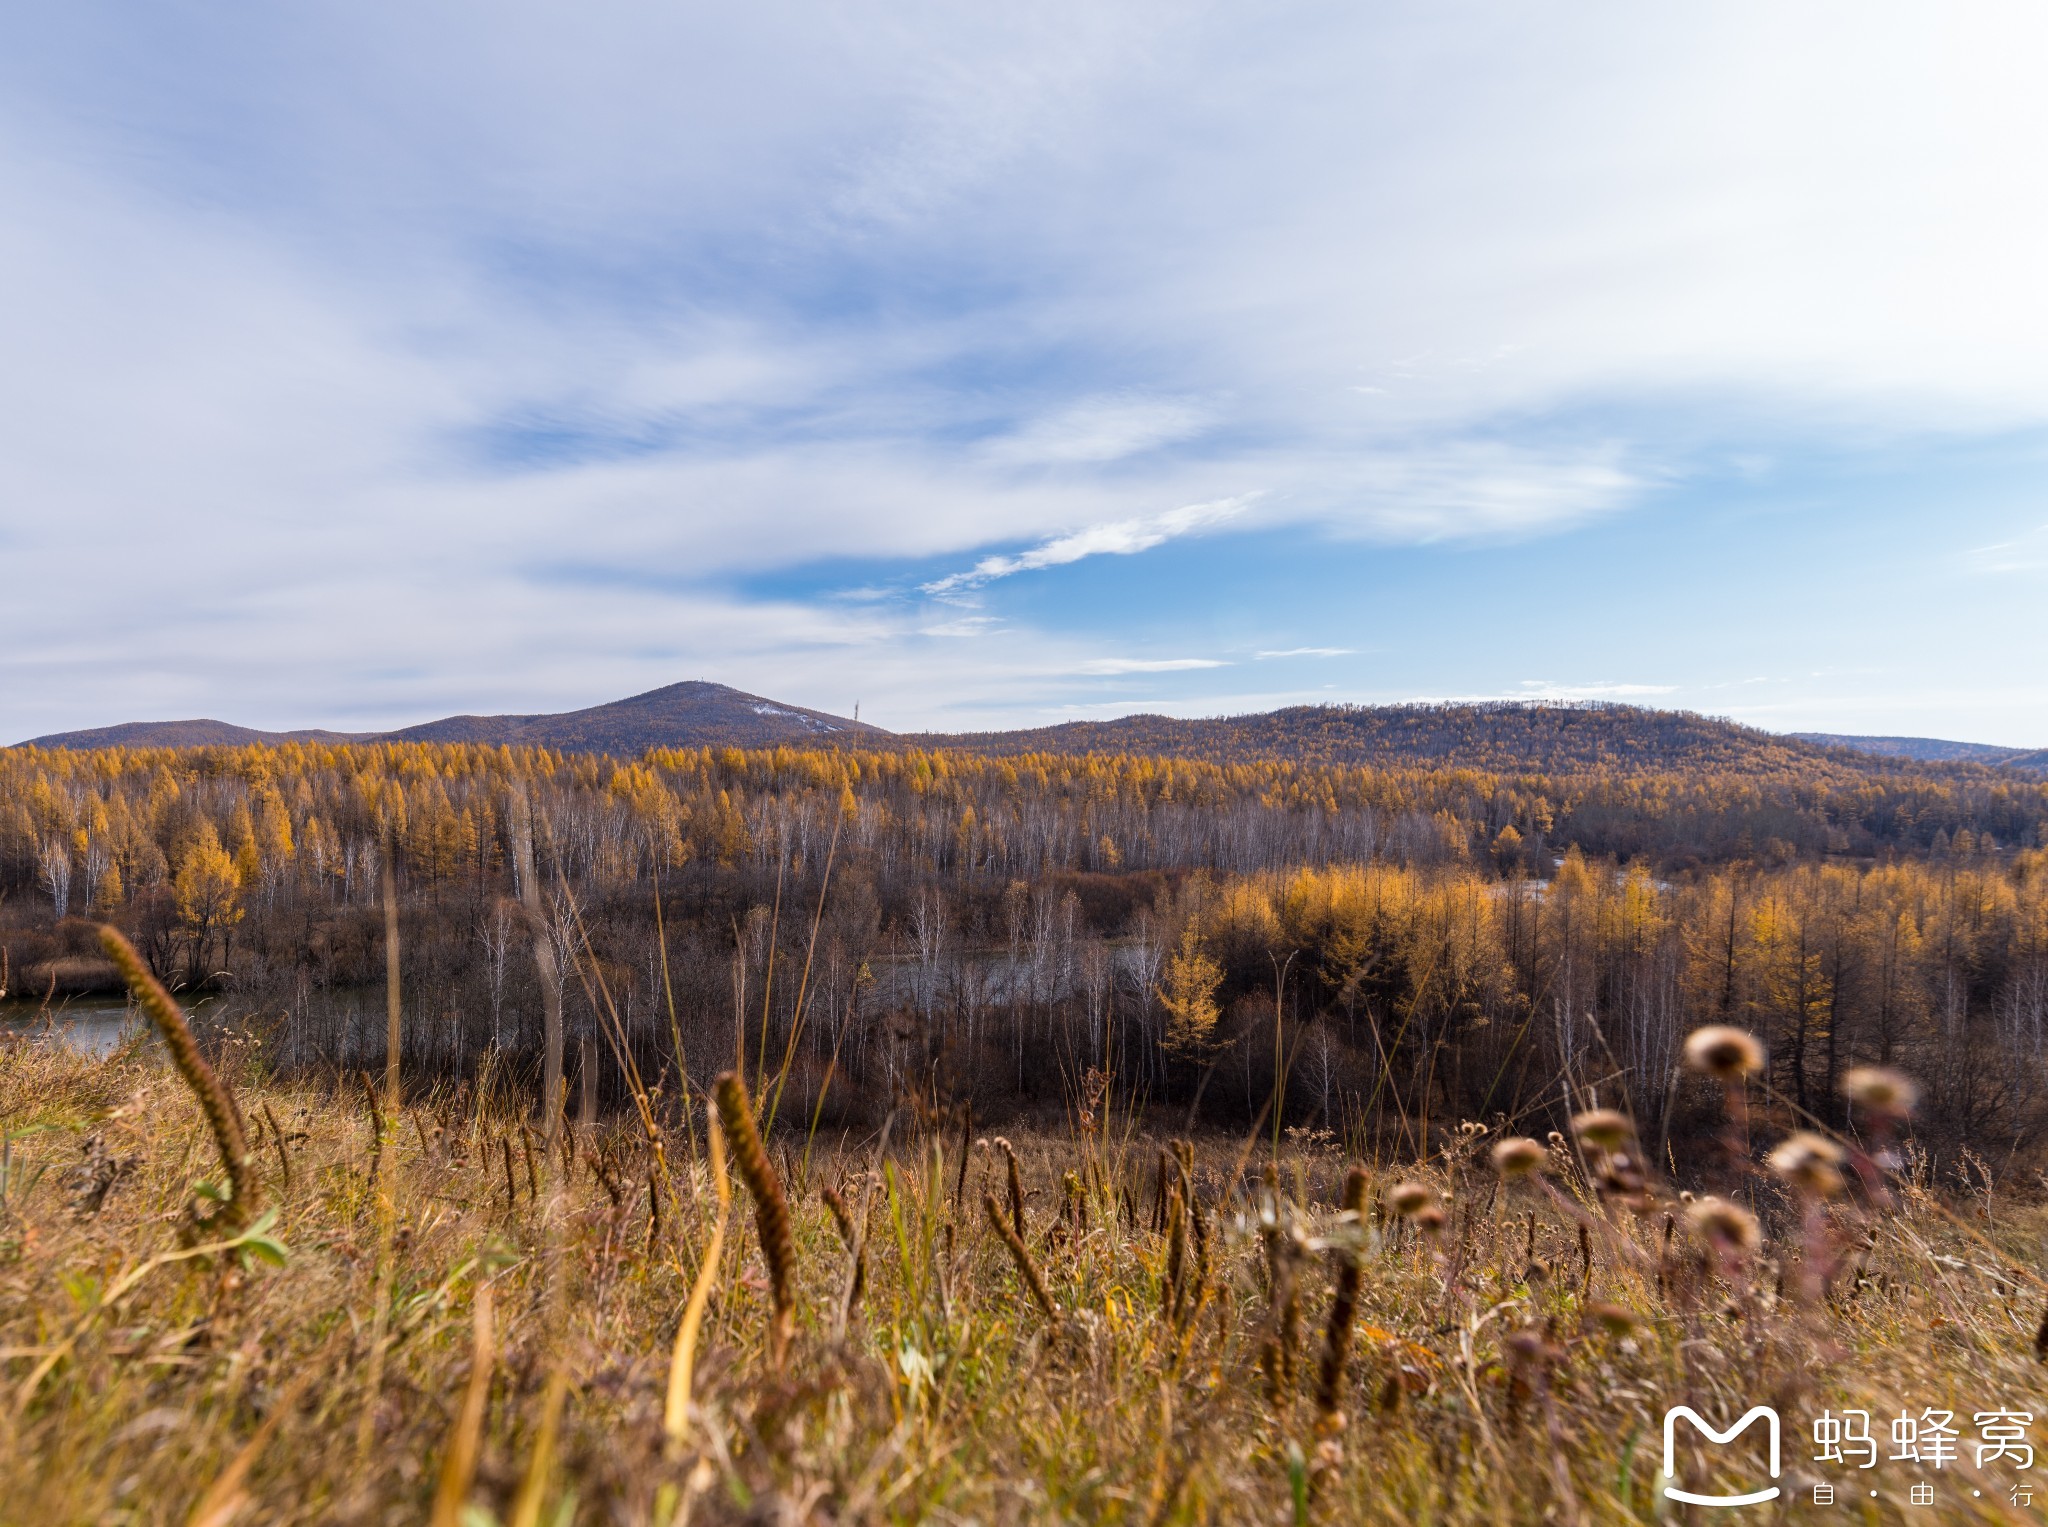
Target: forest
{"points": [[1369, 954]]}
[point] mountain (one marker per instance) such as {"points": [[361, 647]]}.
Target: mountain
{"points": [[1923, 749], [693, 714]]}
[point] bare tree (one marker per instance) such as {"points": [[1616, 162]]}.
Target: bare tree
{"points": [[495, 934], [55, 864], [544, 961], [95, 862]]}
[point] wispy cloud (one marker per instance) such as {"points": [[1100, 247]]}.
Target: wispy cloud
{"points": [[1122, 538], [1545, 689], [1306, 652], [1097, 430], [966, 625], [1116, 665], [2023, 554]]}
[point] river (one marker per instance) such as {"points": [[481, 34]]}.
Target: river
{"points": [[89, 1025]]}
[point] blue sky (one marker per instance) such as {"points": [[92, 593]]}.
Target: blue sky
{"points": [[997, 365]]}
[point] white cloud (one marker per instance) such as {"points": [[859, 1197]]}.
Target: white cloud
{"points": [[1122, 538], [1097, 430], [2026, 553], [1545, 690], [1119, 665], [1306, 652]]}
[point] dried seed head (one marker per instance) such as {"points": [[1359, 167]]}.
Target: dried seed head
{"points": [[771, 1206], [1527, 1344], [1615, 1319], [1882, 1091], [1518, 1156], [1728, 1226], [1810, 1162], [1429, 1219], [1604, 1129], [1408, 1199], [1724, 1052]]}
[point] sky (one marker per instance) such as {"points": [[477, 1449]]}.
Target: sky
{"points": [[1002, 365]]}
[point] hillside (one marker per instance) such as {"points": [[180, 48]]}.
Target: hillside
{"points": [[691, 714], [181, 734], [1503, 737], [1924, 749]]}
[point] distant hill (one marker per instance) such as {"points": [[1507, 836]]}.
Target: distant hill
{"points": [[1501, 737], [180, 734], [692, 714], [1923, 749]]}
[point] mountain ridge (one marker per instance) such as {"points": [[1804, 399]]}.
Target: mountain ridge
{"points": [[694, 713], [1505, 737], [1920, 749]]}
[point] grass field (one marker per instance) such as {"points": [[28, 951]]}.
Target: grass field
{"points": [[475, 1327]]}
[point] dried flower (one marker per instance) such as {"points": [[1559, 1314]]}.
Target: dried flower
{"points": [[1604, 1129], [1887, 1093], [1728, 1226], [1518, 1156], [1724, 1052], [1408, 1199], [1810, 1162], [1615, 1319]]}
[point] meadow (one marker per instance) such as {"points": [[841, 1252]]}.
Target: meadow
{"points": [[227, 1295]]}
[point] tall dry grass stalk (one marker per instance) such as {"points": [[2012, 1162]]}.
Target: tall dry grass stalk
{"points": [[1343, 1308], [387, 1161], [1021, 1255], [771, 1206], [1016, 1185], [683, 1360], [215, 1100], [458, 1464]]}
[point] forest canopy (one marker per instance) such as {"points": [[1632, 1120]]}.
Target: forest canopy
{"points": [[1427, 943]]}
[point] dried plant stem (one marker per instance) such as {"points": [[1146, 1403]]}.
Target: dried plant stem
{"points": [[1343, 1312], [215, 1101], [284, 1160], [225, 1498], [1176, 1255], [458, 1465], [857, 1269], [1021, 1255], [394, 1005], [682, 1362], [1016, 1187], [526, 1506]]}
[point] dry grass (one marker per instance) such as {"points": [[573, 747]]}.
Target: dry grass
{"points": [[1511, 1363]]}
